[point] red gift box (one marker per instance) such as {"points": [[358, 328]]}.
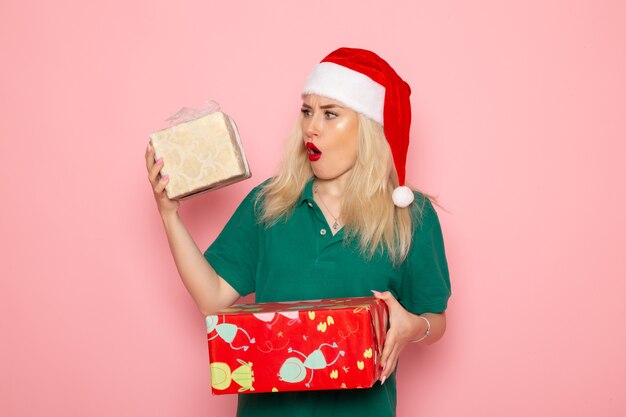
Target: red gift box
{"points": [[295, 346]]}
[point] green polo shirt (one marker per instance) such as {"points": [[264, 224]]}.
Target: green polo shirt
{"points": [[300, 259]]}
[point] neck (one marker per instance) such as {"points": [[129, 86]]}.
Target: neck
{"points": [[329, 194], [333, 188]]}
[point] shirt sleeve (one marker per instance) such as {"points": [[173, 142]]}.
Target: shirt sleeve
{"points": [[234, 254], [425, 285]]}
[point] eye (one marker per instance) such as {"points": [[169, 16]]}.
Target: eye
{"points": [[330, 115], [305, 112]]}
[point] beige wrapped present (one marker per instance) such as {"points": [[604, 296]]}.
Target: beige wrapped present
{"points": [[200, 155]]}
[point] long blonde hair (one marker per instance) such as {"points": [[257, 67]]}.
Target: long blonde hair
{"points": [[367, 209]]}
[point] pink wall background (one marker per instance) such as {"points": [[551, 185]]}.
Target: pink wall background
{"points": [[519, 128]]}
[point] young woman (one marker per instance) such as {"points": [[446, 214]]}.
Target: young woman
{"points": [[335, 221]]}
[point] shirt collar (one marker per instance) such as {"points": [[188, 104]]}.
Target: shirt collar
{"points": [[307, 193]]}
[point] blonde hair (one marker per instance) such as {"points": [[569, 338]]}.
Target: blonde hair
{"points": [[367, 210]]}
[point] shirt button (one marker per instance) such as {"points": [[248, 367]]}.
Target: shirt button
{"points": [[323, 232], [310, 205]]}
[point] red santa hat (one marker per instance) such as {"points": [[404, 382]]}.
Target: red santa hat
{"points": [[367, 84]]}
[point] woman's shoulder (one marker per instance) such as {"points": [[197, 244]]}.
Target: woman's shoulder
{"points": [[256, 190], [420, 198], [253, 200], [422, 209]]}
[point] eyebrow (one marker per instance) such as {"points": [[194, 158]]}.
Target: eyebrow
{"points": [[326, 106]]}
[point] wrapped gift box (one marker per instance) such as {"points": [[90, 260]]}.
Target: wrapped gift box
{"points": [[295, 346], [200, 155]]}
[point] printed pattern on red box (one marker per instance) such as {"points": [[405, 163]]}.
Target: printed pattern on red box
{"points": [[294, 346]]}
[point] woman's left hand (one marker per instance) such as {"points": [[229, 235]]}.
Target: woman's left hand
{"points": [[403, 327]]}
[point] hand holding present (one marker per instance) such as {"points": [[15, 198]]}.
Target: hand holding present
{"points": [[405, 327], [165, 205]]}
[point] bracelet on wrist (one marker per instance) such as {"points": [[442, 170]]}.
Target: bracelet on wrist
{"points": [[427, 330]]}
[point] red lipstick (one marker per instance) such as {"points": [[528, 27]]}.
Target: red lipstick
{"points": [[314, 153]]}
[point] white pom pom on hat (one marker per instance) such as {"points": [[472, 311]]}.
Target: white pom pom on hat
{"points": [[367, 84], [402, 196]]}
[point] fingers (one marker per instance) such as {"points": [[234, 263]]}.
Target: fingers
{"points": [[388, 298], [161, 184], [154, 172], [390, 347], [387, 348], [390, 368], [389, 363], [154, 168], [149, 157], [394, 341], [381, 295]]}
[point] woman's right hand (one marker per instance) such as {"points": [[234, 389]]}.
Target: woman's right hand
{"points": [[165, 205]]}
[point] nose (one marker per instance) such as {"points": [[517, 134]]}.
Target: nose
{"points": [[312, 126]]}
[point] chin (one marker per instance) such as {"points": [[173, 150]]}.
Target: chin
{"points": [[326, 174], [320, 172]]}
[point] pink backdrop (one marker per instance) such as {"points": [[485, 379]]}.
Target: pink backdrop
{"points": [[519, 128]]}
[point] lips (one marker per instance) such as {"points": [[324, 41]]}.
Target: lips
{"points": [[314, 153]]}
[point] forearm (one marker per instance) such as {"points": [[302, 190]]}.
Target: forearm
{"points": [[437, 327], [209, 291]]}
